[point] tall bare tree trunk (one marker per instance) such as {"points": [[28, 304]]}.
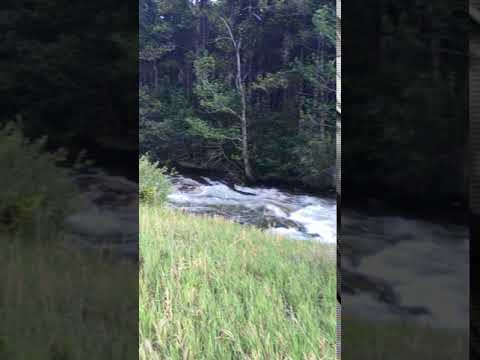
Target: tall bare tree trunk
{"points": [[240, 86], [243, 96]]}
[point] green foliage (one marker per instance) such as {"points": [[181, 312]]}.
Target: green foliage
{"points": [[321, 75], [190, 104], [316, 157], [162, 123], [154, 185], [205, 68], [269, 82], [149, 106], [325, 23], [201, 128], [214, 95], [62, 65], [36, 191], [409, 136]]}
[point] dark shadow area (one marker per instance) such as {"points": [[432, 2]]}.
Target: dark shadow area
{"points": [[474, 203], [69, 180], [404, 239]]}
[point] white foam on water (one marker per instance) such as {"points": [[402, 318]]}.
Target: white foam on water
{"points": [[275, 210], [315, 218], [319, 221], [178, 197], [426, 264], [425, 273]]}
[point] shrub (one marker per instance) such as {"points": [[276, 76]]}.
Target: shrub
{"points": [[154, 185], [35, 192]]}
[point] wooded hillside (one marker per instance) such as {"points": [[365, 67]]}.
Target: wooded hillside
{"points": [[244, 88]]}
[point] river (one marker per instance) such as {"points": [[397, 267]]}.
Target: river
{"points": [[416, 269], [392, 266], [297, 216]]}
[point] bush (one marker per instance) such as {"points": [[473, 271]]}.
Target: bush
{"points": [[316, 161], [154, 185], [35, 192]]}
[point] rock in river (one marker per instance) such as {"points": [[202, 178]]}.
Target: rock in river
{"points": [[108, 219]]}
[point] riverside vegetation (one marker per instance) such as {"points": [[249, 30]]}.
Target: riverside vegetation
{"points": [[55, 302], [51, 308], [244, 90], [212, 289]]}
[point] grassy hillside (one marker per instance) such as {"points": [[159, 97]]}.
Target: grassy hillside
{"points": [[61, 304], [211, 289], [378, 340], [56, 303]]}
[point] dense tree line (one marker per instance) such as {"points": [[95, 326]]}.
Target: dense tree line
{"points": [[70, 69], [243, 87], [405, 103]]}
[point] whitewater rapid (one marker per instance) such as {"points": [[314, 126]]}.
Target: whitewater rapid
{"points": [[301, 217]]}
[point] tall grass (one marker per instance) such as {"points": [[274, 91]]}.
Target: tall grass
{"points": [[211, 289], [378, 340], [62, 304], [56, 303]]}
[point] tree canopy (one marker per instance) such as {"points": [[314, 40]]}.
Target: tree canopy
{"points": [[243, 87]]}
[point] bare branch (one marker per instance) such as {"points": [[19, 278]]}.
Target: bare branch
{"points": [[230, 32]]}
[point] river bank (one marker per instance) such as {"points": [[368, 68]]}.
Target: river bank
{"points": [[293, 185], [106, 217]]}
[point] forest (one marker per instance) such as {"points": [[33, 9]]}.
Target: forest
{"points": [[71, 75], [241, 89], [405, 104]]}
